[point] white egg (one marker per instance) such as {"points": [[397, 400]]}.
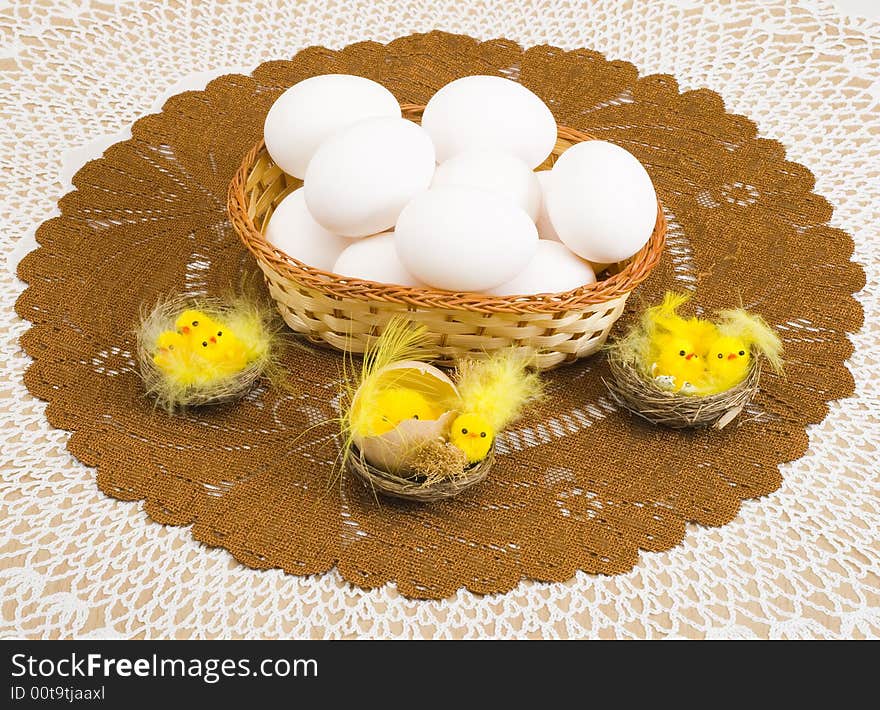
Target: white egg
{"points": [[374, 259], [490, 112], [464, 239], [546, 230], [495, 171], [308, 112], [601, 201], [361, 177], [553, 269], [292, 229]]}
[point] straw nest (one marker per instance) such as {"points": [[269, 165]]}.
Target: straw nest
{"points": [[632, 391], [252, 320], [425, 486]]}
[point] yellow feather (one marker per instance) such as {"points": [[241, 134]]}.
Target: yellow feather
{"points": [[727, 364], [498, 388], [666, 314], [400, 341], [754, 331]]}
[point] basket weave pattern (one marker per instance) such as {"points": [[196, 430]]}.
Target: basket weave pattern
{"points": [[349, 313]]}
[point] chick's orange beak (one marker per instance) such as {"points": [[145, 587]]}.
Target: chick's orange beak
{"points": [[732, 356], [212, 339], [689, 356], [185, 330]]}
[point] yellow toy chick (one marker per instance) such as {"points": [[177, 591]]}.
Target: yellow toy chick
{"points": [[392, 406], [205, 353], [212, 341], [677, 346], [473, 435], [694, 356], [173, 354], [200, 351], [194, 324], [729, 355], [494, 392]]}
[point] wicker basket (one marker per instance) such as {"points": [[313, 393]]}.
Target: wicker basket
{"points": [[349, 313], [389, 484]]}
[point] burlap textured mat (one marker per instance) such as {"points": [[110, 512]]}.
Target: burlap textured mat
{"points": [[577, 485]]}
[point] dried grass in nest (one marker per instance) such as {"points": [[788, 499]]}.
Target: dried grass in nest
{"points": [[425, 487], [172, 396], [632, 391], [435, 461]]}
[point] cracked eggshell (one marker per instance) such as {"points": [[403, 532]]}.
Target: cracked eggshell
{"points": [[390, 451]]}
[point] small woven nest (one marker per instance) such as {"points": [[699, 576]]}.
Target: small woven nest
{"points": [[632, 391], [173, 397], [419, 488]]}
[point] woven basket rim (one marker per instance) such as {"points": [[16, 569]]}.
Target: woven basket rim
{"points": [[634, 272]]}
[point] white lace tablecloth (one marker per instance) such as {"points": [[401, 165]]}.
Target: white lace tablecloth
{"points": [[803, 562]]}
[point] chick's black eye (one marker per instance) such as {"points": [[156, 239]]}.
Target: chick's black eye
{"points": [[720, 355], [742, 352], [482, 435], [195, 324], [464, 431], [219, 333], [415, 416], [681, 352], [204, 343]]}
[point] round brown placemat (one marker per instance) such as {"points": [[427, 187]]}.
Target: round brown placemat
{"points": [[578, 485]]}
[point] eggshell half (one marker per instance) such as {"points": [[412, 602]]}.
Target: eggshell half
{"points": [[389, 451], [392, 451]]}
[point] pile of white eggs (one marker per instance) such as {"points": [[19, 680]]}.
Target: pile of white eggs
{"points": [[453, 204]]}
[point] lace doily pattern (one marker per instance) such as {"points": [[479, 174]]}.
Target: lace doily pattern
{"points": [[571, 494], [574, 489]]}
